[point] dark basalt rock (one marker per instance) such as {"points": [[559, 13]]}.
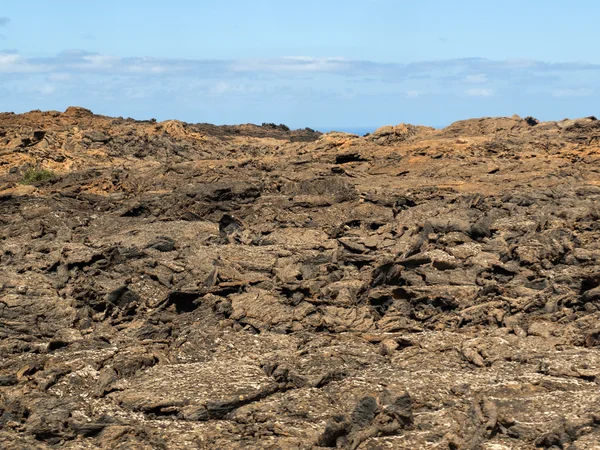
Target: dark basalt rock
{"points": [[184, 285]]}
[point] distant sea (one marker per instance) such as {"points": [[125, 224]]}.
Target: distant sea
{"points": [[354, 130]]}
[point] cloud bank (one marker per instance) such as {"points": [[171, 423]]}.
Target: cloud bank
{"points": [[476, 70], [300, 89]]}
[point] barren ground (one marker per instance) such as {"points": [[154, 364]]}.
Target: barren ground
{"points": [[182, 286]]}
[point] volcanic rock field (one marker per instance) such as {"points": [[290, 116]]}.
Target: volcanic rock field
{"points": [[166, 285]]}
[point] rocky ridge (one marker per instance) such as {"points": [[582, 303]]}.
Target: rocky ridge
{"points": [[179, 286]]}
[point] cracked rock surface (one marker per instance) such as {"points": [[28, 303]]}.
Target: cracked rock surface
{"points": [[186, 286]]}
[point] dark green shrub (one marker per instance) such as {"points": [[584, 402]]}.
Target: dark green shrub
{"points": [[33, 175]]}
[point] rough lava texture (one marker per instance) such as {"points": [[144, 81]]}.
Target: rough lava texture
{"points": [[180, 286]]}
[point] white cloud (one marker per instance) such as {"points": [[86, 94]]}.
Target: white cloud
{"points": [[9, 59], [291, 64], [476, 79], [15, 63], [44, 89], [76, 71], [60, 77], [151, 69], [221, 88], [479, 92], [465, 71], [99, 61], [520, 63], [311, 59]]}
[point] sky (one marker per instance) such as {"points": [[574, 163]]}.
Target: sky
{"points": [[323, 64]]}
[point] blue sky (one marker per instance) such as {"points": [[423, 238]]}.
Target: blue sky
{"points": [[327, 63]]}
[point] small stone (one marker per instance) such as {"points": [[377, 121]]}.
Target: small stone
{"points": [[371, 242], [387, 347]]}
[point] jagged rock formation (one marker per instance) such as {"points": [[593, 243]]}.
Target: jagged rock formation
{"points": [[189, 286]]}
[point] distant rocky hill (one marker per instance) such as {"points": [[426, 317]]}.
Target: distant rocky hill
{"points": [[166, 285]]}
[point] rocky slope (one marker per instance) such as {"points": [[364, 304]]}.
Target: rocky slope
{"points": [[179, 286]]}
